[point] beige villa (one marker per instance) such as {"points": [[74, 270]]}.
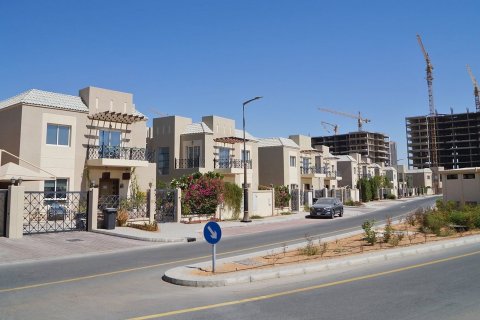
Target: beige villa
{"points": [[213, 144], [97, 137], [294, 163]]}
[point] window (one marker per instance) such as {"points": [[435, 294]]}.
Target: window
{"points": [[55, 189], [110, 138], [306, 162], [469, 176], [247, 152], [428, 177], [58, 135], [163, 161], [293, 161], [452, 176]]}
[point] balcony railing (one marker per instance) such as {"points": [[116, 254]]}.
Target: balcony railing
{"points": [[189, 163], [231, 164], [331, 174], [365, 175], [311, 170], [123, 153]]}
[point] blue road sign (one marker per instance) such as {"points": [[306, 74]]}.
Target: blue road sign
{"points": [[212, 232]]}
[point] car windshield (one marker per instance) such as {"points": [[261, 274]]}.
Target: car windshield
{"points": [[325, 201]]}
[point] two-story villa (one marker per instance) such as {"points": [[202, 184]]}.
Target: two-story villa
{"points": [[214, 144], [96, 138]]}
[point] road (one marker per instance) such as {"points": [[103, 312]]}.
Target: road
{"points": [[122, 285]]}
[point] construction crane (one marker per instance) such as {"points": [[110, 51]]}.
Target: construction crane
{"points": [[334, 126], [475, 88], [429, 70], [431, 121], [359, 118]]}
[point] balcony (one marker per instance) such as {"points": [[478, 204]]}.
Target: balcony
{"points": [[312, 171], [116, 156], [231, 165], [332, 175], [189, 163]]}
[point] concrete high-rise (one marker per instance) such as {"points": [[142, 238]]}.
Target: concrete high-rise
{"points": [[372, 145]]}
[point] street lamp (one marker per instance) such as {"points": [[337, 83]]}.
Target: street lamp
{"points": [[246, 217]]}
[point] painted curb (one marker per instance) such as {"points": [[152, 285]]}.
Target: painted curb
{"points": [[148, 239], [181, 275]]}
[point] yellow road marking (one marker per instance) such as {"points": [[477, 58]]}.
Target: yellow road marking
{"points": [[294, 291], [165, 263]]}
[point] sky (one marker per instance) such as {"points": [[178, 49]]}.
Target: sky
{"points": [[202, 57]]}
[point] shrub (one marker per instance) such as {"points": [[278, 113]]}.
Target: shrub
{"points": [[201, 193], [435, 222], [232, 197], [310, 249], [146, 226], [282, 196], [370, 235], [122, 217], [256, 217], [391, 197], [388, 232]]}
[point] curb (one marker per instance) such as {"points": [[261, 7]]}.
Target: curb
{"points": [[148, 239], [181, 275]]}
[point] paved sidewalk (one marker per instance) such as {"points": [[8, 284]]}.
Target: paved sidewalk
{"points": [[77, 243]]}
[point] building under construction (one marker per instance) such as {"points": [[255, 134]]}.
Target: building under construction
{"points": [[444, 140], [370, 144]]}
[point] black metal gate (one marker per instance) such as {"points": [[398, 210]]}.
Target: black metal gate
{"points": [[3, 212], [55, 212], [295, 195], [165, 205]]}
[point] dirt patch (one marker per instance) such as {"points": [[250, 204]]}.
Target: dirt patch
{"points": [[401, 235]]}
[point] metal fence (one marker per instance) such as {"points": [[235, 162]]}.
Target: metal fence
{"points": [[64, 212], [3, 212], [165, 205]]}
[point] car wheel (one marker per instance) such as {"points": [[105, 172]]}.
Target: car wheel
{"points": [[341, 212], [332, 215]]}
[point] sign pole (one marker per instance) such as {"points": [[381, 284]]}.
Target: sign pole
{"points": [[214, 253]]}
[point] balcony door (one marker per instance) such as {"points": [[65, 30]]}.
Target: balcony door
{"points": [[223, 157], [193, 156], [109, 142]]}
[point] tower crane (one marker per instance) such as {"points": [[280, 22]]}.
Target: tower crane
{"points": [[475, 88], [334, 126], [431, 120], [429, 70], [359, 118]]}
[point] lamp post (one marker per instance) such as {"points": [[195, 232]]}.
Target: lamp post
{"points": [[246, 217]]}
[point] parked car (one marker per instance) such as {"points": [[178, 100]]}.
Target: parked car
{"points": [[327, 207], [56, 211]]}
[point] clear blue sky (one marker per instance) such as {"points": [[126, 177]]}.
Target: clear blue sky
{"points": [[203, 57]]}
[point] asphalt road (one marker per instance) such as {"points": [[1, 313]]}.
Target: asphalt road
{"points": [[128, 284]]}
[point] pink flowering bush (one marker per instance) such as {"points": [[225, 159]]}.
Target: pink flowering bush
{"points": [[201, 193], [282, 196]]}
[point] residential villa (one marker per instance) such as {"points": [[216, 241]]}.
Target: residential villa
{"points": [[294, 163], [213, 144], [97, 137]]}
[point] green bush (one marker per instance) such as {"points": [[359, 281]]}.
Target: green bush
{"points": [[370, 235], [282, 196], [232, 197], [435, 222], [391, 197]]}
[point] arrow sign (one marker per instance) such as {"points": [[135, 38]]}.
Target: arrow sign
{"points": [[212, 232]]}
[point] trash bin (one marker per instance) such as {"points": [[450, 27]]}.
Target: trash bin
{"points": [[109, 218]]}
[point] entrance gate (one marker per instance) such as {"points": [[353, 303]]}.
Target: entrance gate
{"points": [[61, 211]]}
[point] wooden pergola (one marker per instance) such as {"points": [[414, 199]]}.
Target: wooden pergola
{"points": [[118, 117]]}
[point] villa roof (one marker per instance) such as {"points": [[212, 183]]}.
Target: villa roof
{"points": [[199, 127], [277, 141], [46, 99]]}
